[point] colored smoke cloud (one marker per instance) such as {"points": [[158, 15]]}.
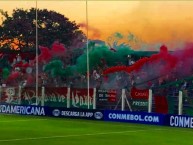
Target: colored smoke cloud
{"points": [[95, 32]]}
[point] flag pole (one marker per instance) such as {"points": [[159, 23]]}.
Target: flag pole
{"points": [[87, 56], [37, 53]]}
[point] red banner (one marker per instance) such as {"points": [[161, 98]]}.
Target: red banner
{"points": [[139, 94], [58, 94], [161, 104]]}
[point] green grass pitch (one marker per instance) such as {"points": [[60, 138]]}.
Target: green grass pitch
{"points": [[30, 130]]}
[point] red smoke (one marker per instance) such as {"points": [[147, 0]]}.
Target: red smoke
{"points": [[47, 54], [163, 63], [58, 49]]}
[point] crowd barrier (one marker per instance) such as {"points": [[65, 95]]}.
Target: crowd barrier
{"points": [[52, 111], [133, 100], [103, 115]]}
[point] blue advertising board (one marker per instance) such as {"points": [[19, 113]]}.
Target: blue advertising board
{"points": [[107, 115], [51, 111], [23, 110], [179, 121], [134, 117], [76, 113]]}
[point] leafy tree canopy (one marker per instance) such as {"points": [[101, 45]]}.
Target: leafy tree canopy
{"points": [[18, 31]]}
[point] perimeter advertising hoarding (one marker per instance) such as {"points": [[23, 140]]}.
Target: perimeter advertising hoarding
{"points": [[133, 117], [76, 113], [23, 110], [52, 111], [179, 121], [107, 115]]}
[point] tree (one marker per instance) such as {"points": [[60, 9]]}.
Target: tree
{"points": [[18, 31]]}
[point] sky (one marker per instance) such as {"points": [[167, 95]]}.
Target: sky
{"points": [[153, 22]]}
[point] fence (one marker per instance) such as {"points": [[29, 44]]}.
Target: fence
{"points": [[131, 100]]}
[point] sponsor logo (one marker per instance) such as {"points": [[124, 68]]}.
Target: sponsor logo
{"points": [[56, 112], [140, 103], [24, 110], [181, 121], [77, 114], [133, 117], [98, 115]]}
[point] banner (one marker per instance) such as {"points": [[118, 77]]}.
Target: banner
{"points": [[179, 121], [28, 96], [139, 94], [107, 115], [9, 95], [23, 110], [79, 99], [139, 103], [161, 104], [76, 113], [56, 97], [106, 95], [139, 98], [52, 111], [133, 117]]}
